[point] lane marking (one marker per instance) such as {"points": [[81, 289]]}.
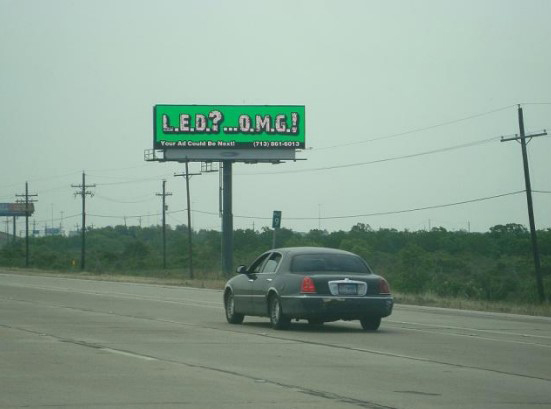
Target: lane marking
{"points": [[451, 327], [128, 354]]}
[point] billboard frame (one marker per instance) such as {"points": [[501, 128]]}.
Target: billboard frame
{"points": [[16, 209], [241, 133]]}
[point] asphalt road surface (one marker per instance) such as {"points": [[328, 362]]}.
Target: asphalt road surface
{"points": [[68, 343]]}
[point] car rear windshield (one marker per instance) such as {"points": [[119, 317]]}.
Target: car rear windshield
{"points": [[305, 263]]}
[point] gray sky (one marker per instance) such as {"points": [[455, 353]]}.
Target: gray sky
{"points": [[380, 80]]}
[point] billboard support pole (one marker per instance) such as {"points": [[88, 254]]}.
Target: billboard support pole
{"points": [[14, 229], [227, 218]]}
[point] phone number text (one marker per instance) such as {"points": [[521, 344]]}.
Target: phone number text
{"points": [[277, 144]]}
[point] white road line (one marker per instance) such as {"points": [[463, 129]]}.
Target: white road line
{"points": [[129, 354]]}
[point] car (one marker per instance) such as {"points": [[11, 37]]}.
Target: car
{"points": [[308, 283]]}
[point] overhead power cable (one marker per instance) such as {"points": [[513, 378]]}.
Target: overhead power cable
{"points": [[57, 219], [41, 179], [149, 199], [480, 199], [124, 217], [126, 182], [426, 128], [349, 165]]}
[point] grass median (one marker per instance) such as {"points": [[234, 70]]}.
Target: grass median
{"points": [[215, 281]]}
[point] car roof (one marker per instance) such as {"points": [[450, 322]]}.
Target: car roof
{"points": [[311, 250]]}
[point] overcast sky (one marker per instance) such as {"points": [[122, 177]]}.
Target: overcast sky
{"points": [[405, 101]]}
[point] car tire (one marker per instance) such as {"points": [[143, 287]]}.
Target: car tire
{"points": [[229, 306], [277, 318], [370, 323]]}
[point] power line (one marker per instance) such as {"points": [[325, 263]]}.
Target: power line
{"points": [[127, 217], [58, 219], [413, 155], [124, 201], [480, 199], [127, 182], [42, 178], [426, 128]]}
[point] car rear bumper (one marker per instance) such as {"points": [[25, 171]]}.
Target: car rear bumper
{"points": [[332, 308]]}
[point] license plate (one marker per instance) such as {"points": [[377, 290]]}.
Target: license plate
{"points": [[348, 289]]}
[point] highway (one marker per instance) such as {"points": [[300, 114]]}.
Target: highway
{"points": [[73, 343]]}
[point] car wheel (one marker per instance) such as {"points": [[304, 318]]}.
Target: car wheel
{"points": [[229, 306], [371, 323], [277, 318]]}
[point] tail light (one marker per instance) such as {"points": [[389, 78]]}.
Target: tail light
{"points": [[307, 285], [384, 288]]}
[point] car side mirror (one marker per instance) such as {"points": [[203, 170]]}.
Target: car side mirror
{"points": [[242, 270]]}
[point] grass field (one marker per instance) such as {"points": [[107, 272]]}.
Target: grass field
{"points": [[214, 281]]}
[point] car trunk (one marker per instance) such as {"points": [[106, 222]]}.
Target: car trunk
{"points": [[343, 284]]}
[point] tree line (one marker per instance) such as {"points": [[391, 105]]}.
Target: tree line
{"points": [[495, 265]]}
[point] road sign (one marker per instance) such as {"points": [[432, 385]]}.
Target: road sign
{"points": [[276, 219]]}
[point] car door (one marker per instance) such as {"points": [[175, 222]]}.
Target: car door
{"points": [[244, 300], [263, 282]]}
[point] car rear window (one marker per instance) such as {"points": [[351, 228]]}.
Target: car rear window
{"points": [[304, 263]]}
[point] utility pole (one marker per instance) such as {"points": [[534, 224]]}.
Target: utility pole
{"points": [[164, 195], [522, 137], [27, 201], [82, 192], [188, 175]]}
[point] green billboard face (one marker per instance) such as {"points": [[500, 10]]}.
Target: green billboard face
{"points": [[229, 126]]}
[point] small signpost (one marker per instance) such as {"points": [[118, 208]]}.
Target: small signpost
{"points": [[276, 224]]}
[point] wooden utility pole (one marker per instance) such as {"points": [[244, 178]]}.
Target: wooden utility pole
{"points": [[522, 137], [27, 202], [82, 192], [164, 195], [188, 175]]}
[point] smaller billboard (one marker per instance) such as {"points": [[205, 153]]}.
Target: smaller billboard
{"points": [[16, 209], [52, 231]]}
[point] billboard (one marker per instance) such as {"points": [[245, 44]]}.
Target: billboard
{"points": [[229, 127], [16, 209]]}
